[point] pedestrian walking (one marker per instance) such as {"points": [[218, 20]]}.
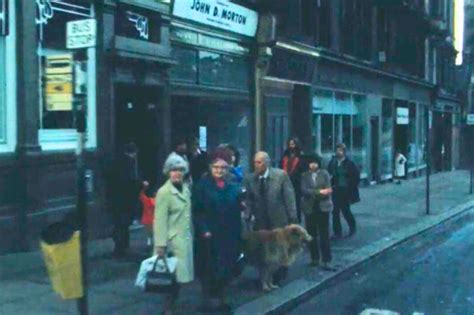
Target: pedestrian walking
{"points": [[126, 187], [172, 226], [270, 198], [317, 206], [147, 199], [345, 183], [400, 164], [217, 212], [293, 166]]}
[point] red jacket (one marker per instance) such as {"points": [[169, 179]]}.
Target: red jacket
{"points": [[148, 205]]}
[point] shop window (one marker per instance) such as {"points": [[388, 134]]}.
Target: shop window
{"points": [[223, 70], [3, 103], [57, 66], [422, 136], [187, 69], [387, 139], [359, 131], [412, 153], [7, 78]]}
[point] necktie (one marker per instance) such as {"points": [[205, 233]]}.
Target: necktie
{"points": [[262, 187]]}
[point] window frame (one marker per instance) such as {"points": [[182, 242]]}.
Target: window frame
{"points": [[66, 139], [8, 87]]}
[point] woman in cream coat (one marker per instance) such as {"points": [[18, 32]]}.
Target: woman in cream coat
{"points": [[173, 226]]}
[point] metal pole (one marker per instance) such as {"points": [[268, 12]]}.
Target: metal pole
{"points": [[428, 160], [81, 126], [470, 188]]}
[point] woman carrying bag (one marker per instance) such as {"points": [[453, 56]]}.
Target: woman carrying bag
{"points": [[216, 209], [173, 226]]}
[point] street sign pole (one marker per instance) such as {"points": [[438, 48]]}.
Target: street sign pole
{"points": [[81, 127], [428, 159], [81, 35]]}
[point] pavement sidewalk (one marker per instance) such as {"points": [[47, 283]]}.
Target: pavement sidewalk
{"points": [[387, 215]]}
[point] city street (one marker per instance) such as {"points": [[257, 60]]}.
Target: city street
{"points": [[432, 275]]}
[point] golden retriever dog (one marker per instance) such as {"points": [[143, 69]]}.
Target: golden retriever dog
{"points": [[270, 250]]}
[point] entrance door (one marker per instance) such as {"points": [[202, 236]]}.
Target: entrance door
{"points": [[277, 128], [137, 121], [374, 149]]}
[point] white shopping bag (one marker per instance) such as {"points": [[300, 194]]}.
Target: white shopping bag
{"points": [[147, 265]]}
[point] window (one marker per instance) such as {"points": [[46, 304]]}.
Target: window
{"points": [[412, 144], [7, 79], [359, 134], [57, 68], [387, 138]]}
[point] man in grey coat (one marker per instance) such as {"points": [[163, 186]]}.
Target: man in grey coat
{"points": [[270, 195], [271, 199]]}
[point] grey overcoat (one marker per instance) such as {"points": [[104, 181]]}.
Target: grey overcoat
{"points": [[277, 208]]}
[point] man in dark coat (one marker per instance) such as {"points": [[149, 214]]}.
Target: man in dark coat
{"points": [[199, 161], [345, 183], [126, 190]]}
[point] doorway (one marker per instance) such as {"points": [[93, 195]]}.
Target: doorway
{"points": [[374, 147], [137, 121], [277, 127]]}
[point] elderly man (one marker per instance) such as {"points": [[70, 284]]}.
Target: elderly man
{"points": [[271, 198]]}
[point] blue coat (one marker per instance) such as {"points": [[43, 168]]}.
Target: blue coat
{"points": [[216, 210]]}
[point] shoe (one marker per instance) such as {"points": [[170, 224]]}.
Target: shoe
{"points": [[327, 267], [314, 263], [336, 237], [352, 233]]}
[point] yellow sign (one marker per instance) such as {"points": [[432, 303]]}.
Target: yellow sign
{"points": [[58, 88], [58, 82], [59, 102]]}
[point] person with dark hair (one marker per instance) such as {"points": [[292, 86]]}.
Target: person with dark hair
{"points": [[198, 160], [235, 167], [126, 188], [345, 184], [217, 212], [317, 205], [400, 163], [293, 167]]}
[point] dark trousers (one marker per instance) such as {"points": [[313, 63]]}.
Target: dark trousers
{"points": [[121, 233], [317, 224], [342, 204]]}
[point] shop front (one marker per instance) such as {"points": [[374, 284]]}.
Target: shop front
{"points": [[211, 82]]}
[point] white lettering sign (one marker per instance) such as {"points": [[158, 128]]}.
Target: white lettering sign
{"points": [[218, 13], [402, 116], [81, 34]]}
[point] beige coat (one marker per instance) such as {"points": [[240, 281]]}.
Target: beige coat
{"points": [[173, 227]]}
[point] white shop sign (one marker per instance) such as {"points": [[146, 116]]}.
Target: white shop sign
{"points": [[402, 116], [81, 34], [218, 13]]}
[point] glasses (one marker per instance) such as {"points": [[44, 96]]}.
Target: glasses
{"points": [[219, 167]]}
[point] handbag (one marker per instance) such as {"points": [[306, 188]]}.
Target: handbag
{"points": [[160, 281]]}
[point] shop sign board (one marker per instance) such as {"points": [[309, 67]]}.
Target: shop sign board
{"points": [[81, 34], [218, 13], [402, 116]]}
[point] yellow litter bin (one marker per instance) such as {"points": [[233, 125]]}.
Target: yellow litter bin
{"points": [[61, 250]]}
